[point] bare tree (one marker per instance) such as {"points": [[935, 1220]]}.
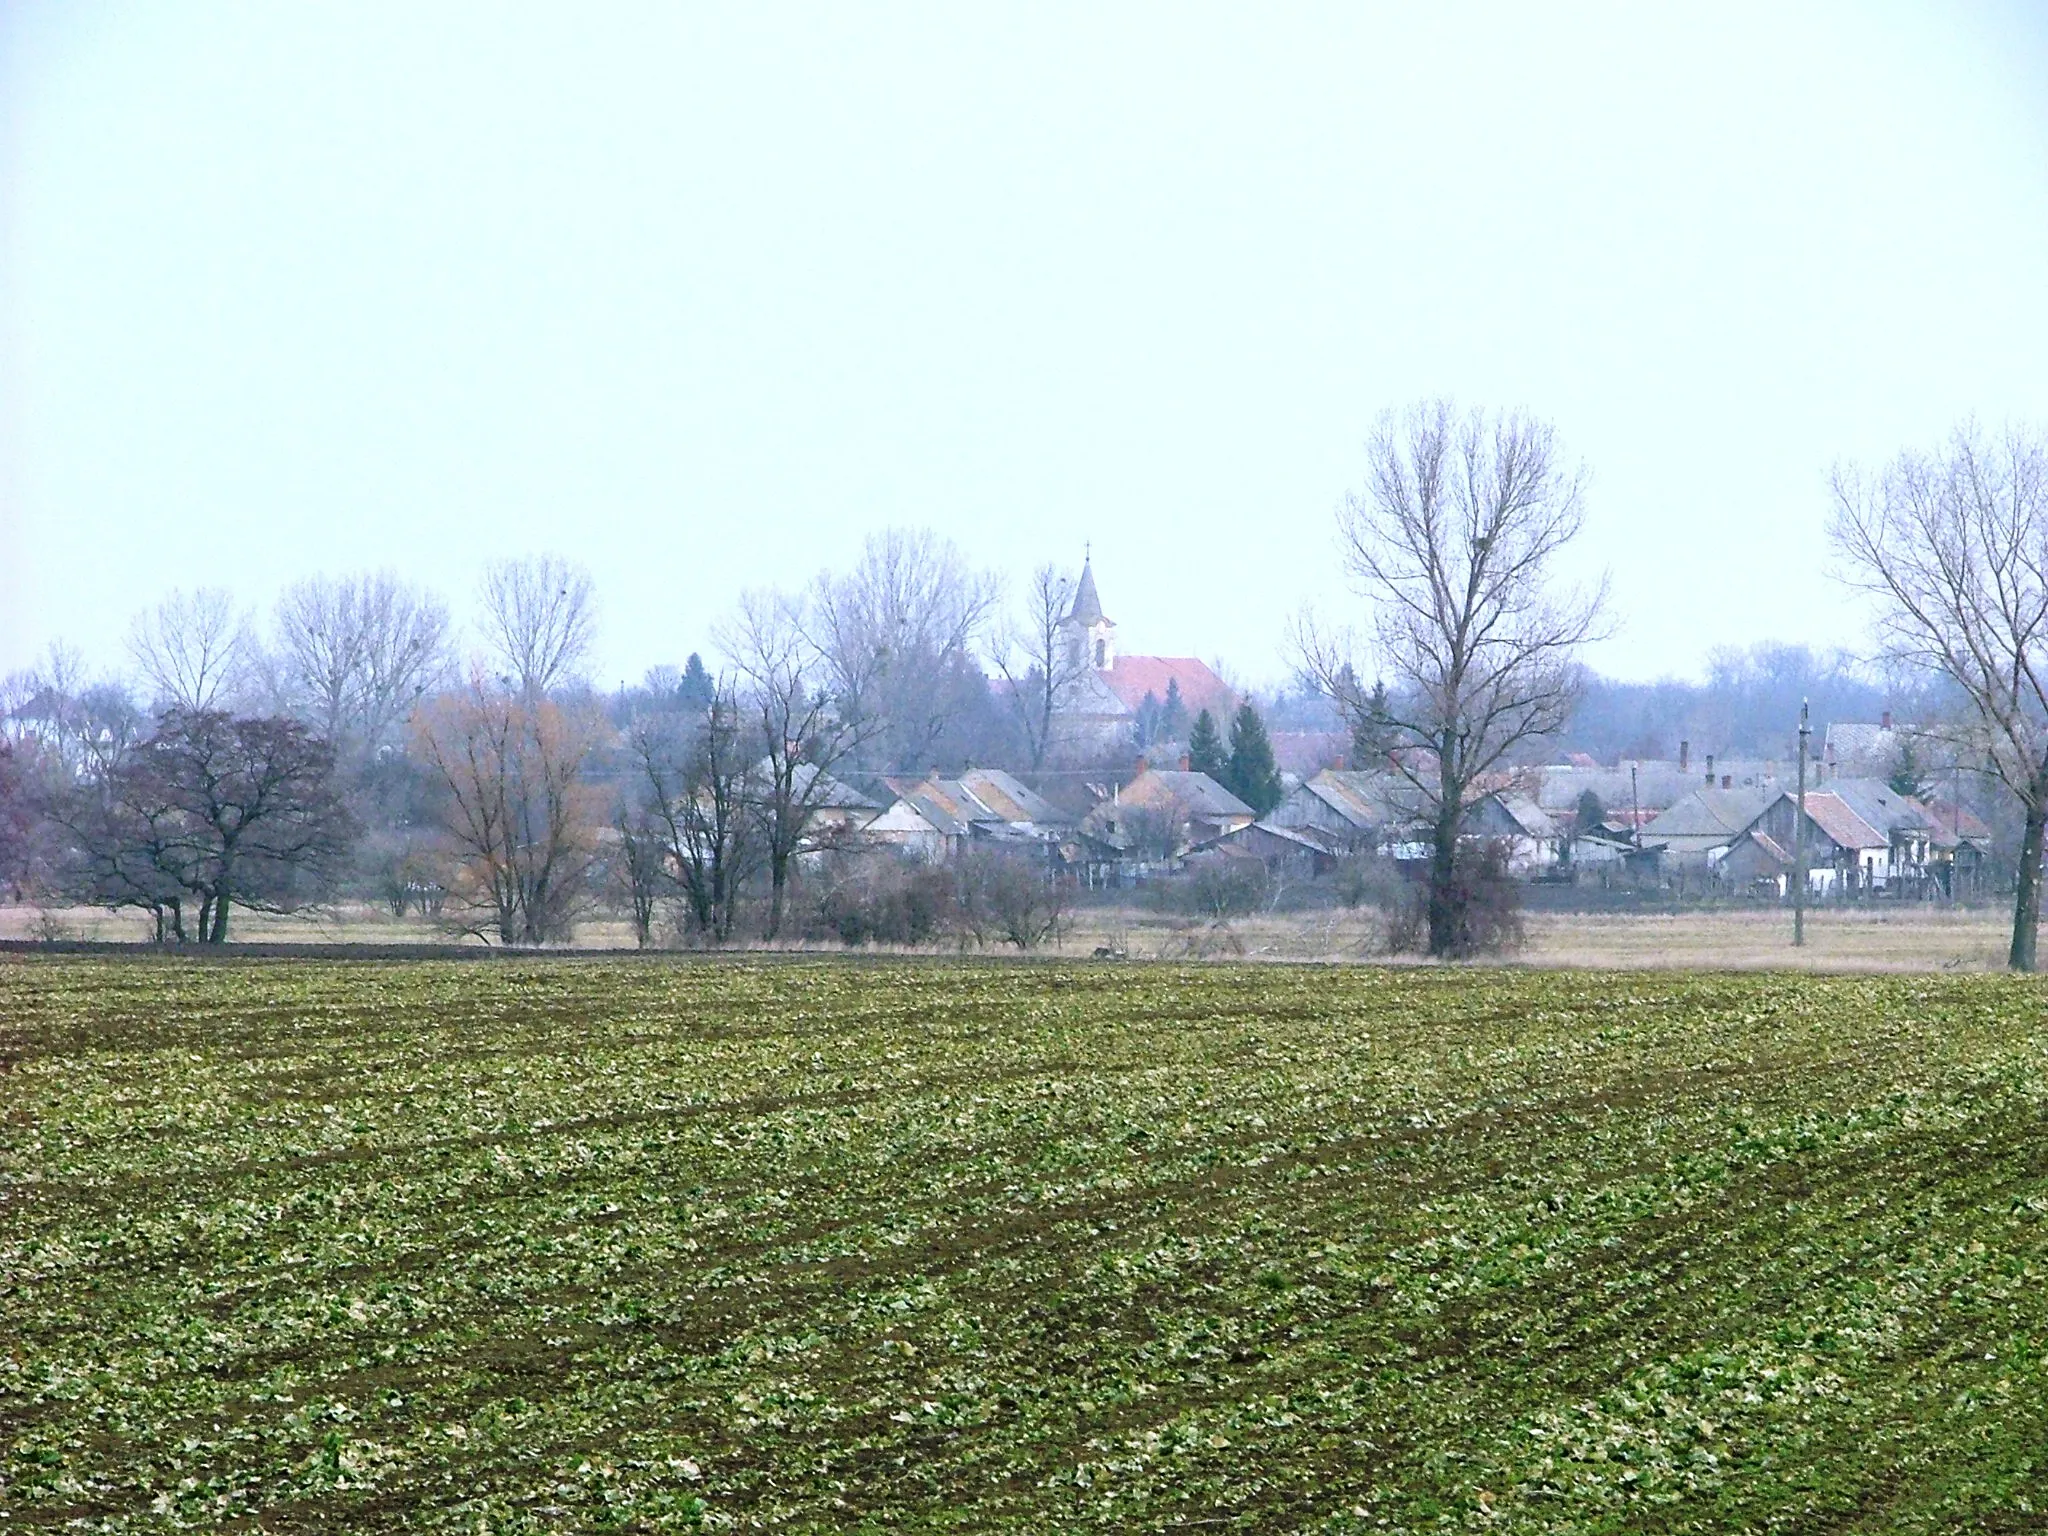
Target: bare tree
{"points": [[696, 778], [193, 648], [1454, 542], [805, 732], [212, 810], [1037, 664], [517, 806], [1954, 545], [888, 630], [357, 652], [539, 620]]}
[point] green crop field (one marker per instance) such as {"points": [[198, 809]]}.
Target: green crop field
{"points": [[812, 1246]]}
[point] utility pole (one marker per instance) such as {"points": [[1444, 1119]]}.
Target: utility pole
{"points": [[1799, 840]]}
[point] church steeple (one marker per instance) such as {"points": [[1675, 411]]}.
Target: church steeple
{"points": [[1087, 609], [1091, 634]]}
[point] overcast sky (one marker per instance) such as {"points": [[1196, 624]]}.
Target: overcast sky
{"points": [[702, 296]]}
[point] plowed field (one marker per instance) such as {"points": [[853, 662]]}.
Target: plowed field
{"points": [[816, 1246]]}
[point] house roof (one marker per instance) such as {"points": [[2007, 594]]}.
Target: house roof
{"points": [[1857, 747], [1087, 607], [1769, 846], [1528, 815], [1130, 678], [1955, 824], [1881, 806], [1202, 795], [1716, 814], [831, 794], [980, 797], [1365, 799], [1558, 789], [1245, 841], [1007, 798], [1840, 823]]}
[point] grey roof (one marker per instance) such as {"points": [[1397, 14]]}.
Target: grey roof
{"points": [[1365, 799], [832, 794], [1528, 815], [1710, 813], [1857, 747], [1202, 795], [1882, 806], [1657, 784], [1087, 607]]}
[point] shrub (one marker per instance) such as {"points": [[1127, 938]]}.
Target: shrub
{"points": [[1222, 888], [1487, 899], [885, 901], [1009, 897]]}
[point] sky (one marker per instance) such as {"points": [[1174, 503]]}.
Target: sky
{"points": [[702, 296]]}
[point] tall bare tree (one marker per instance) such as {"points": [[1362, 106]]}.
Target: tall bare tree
{"points": [[1454, 542], [539, 620], [193, 648], [805, 732], [696, 772], [357, 652], [888, 630], [1954, 546], [518, 806], [1036, 662]]}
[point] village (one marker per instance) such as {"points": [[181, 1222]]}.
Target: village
{"points": [[1145, 811]]}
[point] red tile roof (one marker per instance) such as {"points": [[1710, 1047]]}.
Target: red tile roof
{"points": [[1130, 678], [1843, 826]]}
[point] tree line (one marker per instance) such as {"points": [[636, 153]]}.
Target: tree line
{"points": [[358, 745]]}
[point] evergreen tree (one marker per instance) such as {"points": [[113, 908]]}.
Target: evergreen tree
{"points": [[1590, 815], [695, 690], [1371, 738], [1205, 748], [1148, 719], [1905, 778], [1251, 774], [1173, 714]]}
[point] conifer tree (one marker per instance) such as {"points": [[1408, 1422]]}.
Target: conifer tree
{"points": [[1173, 714], [1371, 737], [1251, 774], [1905, 777], [1205, 748]]}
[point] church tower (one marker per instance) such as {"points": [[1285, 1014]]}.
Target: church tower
{"points": [[1091, 634]]}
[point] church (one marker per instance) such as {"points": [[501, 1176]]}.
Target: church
{"points": [[1113, 703]]}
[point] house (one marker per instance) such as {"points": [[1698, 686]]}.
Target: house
{"points": [[1856, 749], [1098, 711], [837, 809], [1353, 809], [1534, 841], [1695, 834], [1284, 853], [1634, 792], [1861, 836], [935, 819], [1146, 825]]}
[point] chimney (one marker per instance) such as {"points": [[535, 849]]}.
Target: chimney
{"points": [[1684, 755], [1710, 770], [1727, 781], [1338, 764], [1884, 721], [1186, 762], [1143, 766]]}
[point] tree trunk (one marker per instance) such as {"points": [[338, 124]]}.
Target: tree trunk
{"points": [[1443, 877], [2026, 909], [220, 918], [778, 880]]}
